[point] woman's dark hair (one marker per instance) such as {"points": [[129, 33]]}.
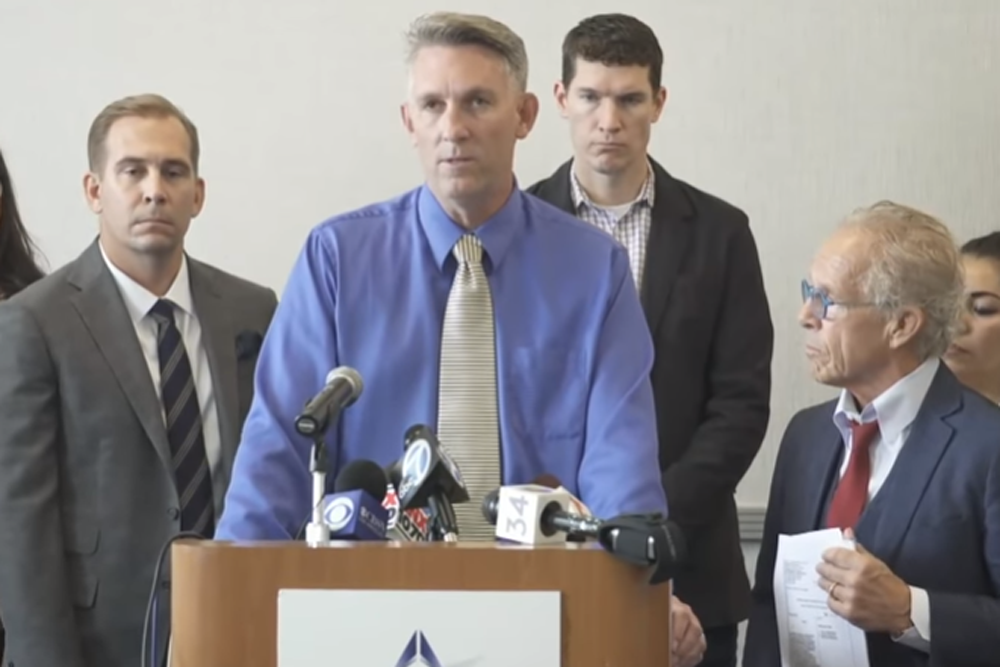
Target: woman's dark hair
{"points": [[18, 268], [984, 247]]}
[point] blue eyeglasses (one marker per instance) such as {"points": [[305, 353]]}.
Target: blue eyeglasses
{"points": [[819, 301]]}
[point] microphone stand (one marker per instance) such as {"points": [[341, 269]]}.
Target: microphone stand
{"points": [[317, 532], [445, 528]]}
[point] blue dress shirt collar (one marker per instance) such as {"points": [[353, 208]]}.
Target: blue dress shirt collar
{"points": [[496, 234]]}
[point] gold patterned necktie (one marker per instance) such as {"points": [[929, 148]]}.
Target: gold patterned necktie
{"points": [[468, 426]]}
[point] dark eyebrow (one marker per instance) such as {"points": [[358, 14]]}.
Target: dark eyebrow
{"points": [[976, 295], [428, 97], [129, 161], [479, 92], [471, 93], [642, 94]]}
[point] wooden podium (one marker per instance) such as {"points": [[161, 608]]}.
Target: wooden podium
{"points": [[224, 609]]}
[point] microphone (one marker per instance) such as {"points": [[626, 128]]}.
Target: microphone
{"points": [[645, 540], [430, 478], [535, 514], [576, 505], [354, 511], [405, 526], [522, 512], [343, 386], [411, 525]]}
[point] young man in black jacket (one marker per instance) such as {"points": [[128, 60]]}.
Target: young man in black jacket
{"points": [[695, 262]]}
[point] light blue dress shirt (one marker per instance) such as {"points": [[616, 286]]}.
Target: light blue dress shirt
{"points": [[369, 291]]}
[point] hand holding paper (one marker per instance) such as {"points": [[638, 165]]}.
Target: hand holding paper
{"points": [[809, 633], [863, 590]]}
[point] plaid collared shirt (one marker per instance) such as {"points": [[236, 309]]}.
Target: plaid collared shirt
{"points": [[631, 229]]}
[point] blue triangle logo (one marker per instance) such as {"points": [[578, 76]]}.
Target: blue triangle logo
{"points": [[418, 653]]}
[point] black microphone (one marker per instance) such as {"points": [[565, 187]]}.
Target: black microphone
{"points": [[362, 475], [343, 386], [646, 540], [430, 478]]}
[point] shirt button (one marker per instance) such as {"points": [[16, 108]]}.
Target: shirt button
{"points": [[173, 513]]}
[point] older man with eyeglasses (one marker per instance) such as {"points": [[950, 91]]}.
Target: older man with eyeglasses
{"points": [[906, 461]]}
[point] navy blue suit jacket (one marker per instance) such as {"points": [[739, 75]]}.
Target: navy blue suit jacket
{"points": [[935, 522]]}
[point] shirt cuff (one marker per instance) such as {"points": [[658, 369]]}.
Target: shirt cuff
{"points": [[919, 636]]}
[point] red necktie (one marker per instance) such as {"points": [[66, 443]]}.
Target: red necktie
{"points": [[852, 492]]}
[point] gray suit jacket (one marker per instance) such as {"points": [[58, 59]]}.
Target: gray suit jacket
{"points": [[87, 495]]}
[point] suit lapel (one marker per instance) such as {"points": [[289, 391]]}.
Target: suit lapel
{"points": [[219, 338], [668, 244], [556, 189], [669, 236], [882, 531], [100, 306], [819, 477]]}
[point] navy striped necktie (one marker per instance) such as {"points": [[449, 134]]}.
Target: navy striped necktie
{"points": [[183, 421]]}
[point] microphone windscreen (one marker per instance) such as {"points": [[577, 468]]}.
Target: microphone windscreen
{"points": [[364, 475], [490, 507]]}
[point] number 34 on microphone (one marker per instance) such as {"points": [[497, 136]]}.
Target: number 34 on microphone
{"points": [[521, 513]]}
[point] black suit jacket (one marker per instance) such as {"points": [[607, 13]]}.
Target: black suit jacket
{"points": [[704, 299]]}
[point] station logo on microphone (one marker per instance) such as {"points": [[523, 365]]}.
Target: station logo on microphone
{"points": [[416, 464], [339, 512]]}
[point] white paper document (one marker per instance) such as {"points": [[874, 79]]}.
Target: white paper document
{"points": [[809, 634]]}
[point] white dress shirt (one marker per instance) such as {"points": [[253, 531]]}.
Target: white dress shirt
{"points": [[895, 409], [139, 301]]}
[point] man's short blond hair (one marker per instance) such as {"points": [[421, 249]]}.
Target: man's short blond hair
{"points": [[148, 105], [457, 29], [912, 260]]}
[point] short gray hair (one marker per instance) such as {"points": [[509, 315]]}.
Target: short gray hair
{"points": [[913, 260], [457, 29]]}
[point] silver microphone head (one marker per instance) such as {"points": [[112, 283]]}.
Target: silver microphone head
{"points": [[352, 377]]}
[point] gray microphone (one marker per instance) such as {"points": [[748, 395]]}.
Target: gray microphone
{"points": [[343, 386]]}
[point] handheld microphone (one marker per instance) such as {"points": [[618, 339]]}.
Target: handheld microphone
{"points": [[343, 387], [430, 478], [535, 514], [576, 505], [354, 511], [640, 539]]}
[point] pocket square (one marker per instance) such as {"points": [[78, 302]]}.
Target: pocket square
{"points": [[248, 344]]}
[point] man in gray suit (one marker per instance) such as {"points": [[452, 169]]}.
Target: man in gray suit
{"points": [[124, 381]]}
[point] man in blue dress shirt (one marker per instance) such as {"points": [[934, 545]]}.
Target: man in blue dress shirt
{"points": [[512, 328]]}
